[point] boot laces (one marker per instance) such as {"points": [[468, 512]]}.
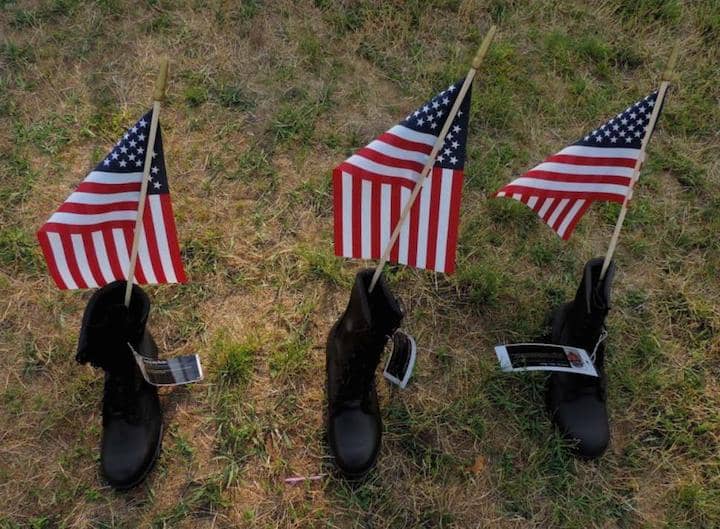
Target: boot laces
{"points": [[587, 385], [121, 396], [603, 336], [358, 376]]}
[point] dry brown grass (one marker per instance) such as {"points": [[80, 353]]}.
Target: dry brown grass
{"points": [[264, 99]]}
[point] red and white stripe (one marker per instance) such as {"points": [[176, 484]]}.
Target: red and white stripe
{"points": [[562, 188], [372, 187], [87, 241]]}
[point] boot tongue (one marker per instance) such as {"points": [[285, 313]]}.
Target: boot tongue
{"points": [[105, 336], [588, 311], [597, 291], [385, 314], [104, 340]]}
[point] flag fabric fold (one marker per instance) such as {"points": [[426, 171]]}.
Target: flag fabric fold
{"points": [[600, 166], [371, 188], [87, 241]]}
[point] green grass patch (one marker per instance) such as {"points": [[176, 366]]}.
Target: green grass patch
{"points": [[235, 97], [235, 360], [18, 250], [290, 357]]}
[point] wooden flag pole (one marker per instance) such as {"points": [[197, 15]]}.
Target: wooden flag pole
{"points": [[477, 61], [665, 83], [158, 96]]}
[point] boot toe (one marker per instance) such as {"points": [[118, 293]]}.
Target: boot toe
{"points": [[355, 441], [585, 423], [128, 452]]}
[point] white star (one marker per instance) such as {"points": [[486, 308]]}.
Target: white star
{"points": [[134, 130], [455, 145], [587, 138], [616, 127], [637, 134], [440, 113], [639, 122], [651, 103], [123, 163], [642, 109], [613, 140], [431, 118], [598, 139], [123, 149], [433, 125], [447, 152], [142, 123], [452, 88], [624, 121], [133, 143], [622, 133], [154, 154], [435, 105], [633, 115], [155, 170], [131, 157], [449, 136], [106, 162], [445, 101], [140, 150], [114, 155], [628, 139], [138, 163], [156, 185], [426, 109], [420, 122], [440, 159], [456, 128], [453, 160], [631, 127], [126, 135], [416, 113], [607, 133]]}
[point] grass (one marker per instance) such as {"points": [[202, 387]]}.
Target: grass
{"points": [[265, 98]]}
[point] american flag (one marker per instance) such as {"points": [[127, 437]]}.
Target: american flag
{"points": [[598, 167], [87, 241], [371, 188]]}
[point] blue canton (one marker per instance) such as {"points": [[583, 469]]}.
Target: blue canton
{"points": [[128, 155], [626, 130], [430, 118]]}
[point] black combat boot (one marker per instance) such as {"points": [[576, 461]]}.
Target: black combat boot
{"points": [[354, 347], [577, 402], [132, 419]]}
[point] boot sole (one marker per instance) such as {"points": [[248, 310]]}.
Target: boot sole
{"points": [[148, 469]]}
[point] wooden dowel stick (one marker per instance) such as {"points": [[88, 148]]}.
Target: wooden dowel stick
{"points": [[477, 61], [667, 76], [158, 96]]}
